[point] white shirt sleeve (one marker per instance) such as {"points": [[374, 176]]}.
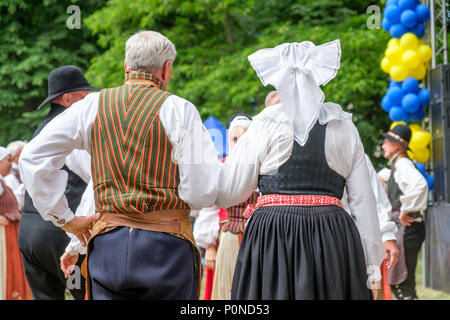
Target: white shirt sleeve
{"points": [[193, 152], [413, 186], [86, 208], [388, 228], [79, 162], [345, 154], [206, 227], [43, 157]]}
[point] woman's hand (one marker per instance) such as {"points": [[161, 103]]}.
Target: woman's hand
{"points": [[210, 257], [4, 221]]}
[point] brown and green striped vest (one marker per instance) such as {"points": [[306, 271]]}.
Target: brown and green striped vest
{"points": [[132, 170]]}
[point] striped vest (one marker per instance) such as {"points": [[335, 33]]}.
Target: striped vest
{"points": [[132, 168], [8, 204]]}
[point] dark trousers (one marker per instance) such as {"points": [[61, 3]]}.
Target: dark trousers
{"points": [[42, 244], [132, 264], [414, 237]]}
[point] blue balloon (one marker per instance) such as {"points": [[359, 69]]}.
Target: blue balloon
{"points": [[395, 95], [406, 4], [394, 2], [410, 103], [421, 168], [397, 113], [385, 104], [418, 30], [394, 83], [430, 181], [386, 24], [397, 30], [393, 13], [218, 134], [410, 85], [417, 116], [422, 12], [408, 18], [424, 97]]}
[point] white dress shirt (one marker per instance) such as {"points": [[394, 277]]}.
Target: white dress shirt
{"points": [[411, 183], [268, 143], [43, 157], [206, 227]]}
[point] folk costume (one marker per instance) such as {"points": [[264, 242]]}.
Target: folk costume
{"points": [[152, 161], [41, 242], [13, 283], [408, 192], [299, 243]]}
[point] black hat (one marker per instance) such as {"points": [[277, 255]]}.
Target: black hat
{"points": [[401, 134], [66, 79]]}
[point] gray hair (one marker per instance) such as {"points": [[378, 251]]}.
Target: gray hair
{"points": [[270, 96], [15, 146], [147, 51]]}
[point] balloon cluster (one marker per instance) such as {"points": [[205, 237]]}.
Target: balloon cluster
{"points": [[406, 57], [405, 101], [428, 177], [405, 16]]}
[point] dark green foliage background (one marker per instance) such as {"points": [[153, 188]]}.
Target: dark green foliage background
{"points": [[213, 39]]}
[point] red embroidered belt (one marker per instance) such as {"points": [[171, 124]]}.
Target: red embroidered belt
{"points": [[286, 200]]}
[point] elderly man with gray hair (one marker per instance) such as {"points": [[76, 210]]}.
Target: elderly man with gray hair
{"points": [[152, 162]]}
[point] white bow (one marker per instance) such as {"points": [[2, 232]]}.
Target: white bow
{"points": [[296, 70]]}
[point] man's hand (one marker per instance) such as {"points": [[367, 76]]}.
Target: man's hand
{"points": [[210, 257], [81, 227], [405, 219], [4, 221], [391, 253], [67, 263], [376, 291]]}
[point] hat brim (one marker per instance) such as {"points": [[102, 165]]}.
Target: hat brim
{"points": [[53, 96], [387, 136]]}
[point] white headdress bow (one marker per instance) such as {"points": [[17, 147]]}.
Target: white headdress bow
{"points": [[297, 70]]}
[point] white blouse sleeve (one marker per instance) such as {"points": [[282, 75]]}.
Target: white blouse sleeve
{"points": [[206, 227], [413, 186], [43, 157], [388, 228], [193, 152]]}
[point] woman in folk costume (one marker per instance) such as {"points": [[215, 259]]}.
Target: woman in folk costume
{"points": [[220, 231], [13, 284], [300, 243]]}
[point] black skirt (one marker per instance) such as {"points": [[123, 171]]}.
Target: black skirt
{"points": [[300, 252]]}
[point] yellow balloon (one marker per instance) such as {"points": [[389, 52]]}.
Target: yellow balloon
{"points": [[410, 154], [415, 127], [418, 72], [424, 52], [419, 140], [422, 155], [394, 42], [410, 59], [398, 73], [409, 41], [386, 65], [394, 54], [395, 123]]}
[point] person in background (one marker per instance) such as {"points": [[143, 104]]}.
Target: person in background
{"points": [[408, 193], [13, 179], [13, 283], [41, 242]]}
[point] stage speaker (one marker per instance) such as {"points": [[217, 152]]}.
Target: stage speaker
{"points": [[440, 130]]}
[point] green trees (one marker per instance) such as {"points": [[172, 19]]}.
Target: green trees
{"points": [[213, 39], [34, 40]]}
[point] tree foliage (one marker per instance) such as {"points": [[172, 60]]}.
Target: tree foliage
{"points": [[34, 40], [213, 39]]}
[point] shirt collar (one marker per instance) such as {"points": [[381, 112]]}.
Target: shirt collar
{"points": [[143, 77]]}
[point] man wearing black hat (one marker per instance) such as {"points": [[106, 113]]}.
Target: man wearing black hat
{"points": [[408, 192], [41, 242]]}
